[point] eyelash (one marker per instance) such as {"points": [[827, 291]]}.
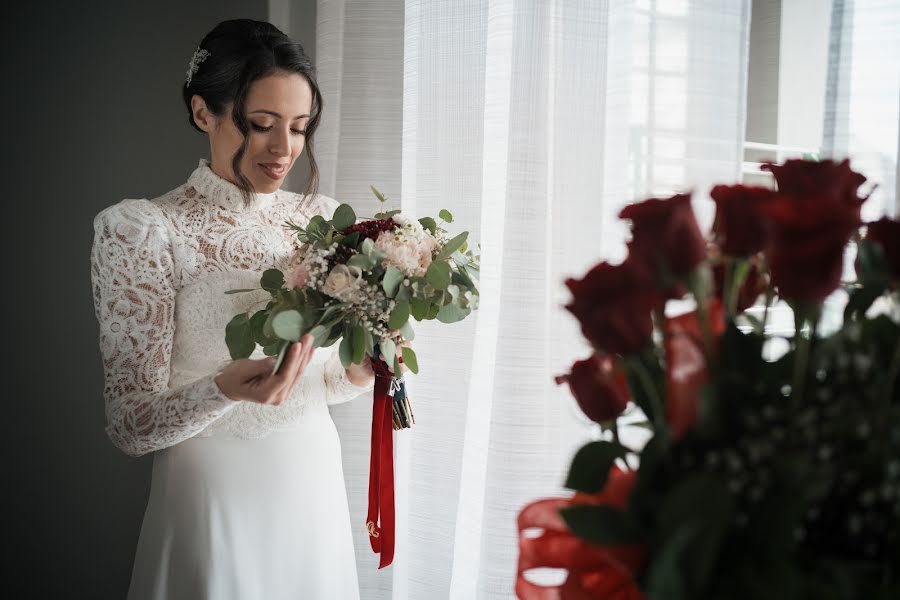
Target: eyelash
{"points": [[262, 129]]}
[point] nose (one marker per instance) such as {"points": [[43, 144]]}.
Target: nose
{"points": [[279, 143]]}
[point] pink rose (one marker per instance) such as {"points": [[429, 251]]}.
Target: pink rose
{"points": [[298, 277]]}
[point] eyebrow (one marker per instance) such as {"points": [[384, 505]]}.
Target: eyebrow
{"points": [[275, 114]]}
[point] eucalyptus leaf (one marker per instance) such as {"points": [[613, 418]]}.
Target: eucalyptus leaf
{"points": [[388, 350], [410, 360], [319, 334], [362, 261], [399, 316], [438, 275], [241, 291], [344, 217], [403, 294], [451, 313], [408, 332], [367, 246], [282, 352], [452, 246], [429, 224], [288, 325], [378, 194], [445, 215], [393, 277], [419, 308]]}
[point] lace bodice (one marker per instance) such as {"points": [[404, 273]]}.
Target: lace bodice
{"points": [[159, 270]]}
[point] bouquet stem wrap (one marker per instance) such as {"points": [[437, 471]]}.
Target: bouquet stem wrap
{"points": [[390, 410]]}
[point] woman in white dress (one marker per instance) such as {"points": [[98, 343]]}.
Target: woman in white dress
{"points": [[247, 497]]}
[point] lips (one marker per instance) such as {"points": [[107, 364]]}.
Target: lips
{"points": [[274, 170]]}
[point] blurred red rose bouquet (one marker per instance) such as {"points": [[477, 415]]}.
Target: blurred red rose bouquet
{"points": [[775, 478]]}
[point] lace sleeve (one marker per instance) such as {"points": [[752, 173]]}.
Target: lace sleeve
{"points": [[132, 275]]}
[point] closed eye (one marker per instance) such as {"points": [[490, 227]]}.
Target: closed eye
{"points": [[262, 129]]}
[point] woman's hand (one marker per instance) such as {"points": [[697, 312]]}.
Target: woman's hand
{"points": [[252, 380]]}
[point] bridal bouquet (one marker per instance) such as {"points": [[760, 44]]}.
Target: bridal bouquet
{"points": [[766, 476], [360, 282]]}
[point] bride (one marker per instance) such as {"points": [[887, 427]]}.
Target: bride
{"points": [[247, 497]]}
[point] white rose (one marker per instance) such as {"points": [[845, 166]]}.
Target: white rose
{"points": [[342, 282], [400, 219]]}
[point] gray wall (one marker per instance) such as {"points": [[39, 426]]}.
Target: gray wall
{"points": [[95, 116]]}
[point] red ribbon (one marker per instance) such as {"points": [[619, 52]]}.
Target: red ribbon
{"points": [[380, 519]]}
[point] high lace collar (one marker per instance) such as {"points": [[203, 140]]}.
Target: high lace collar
{"points": [[223, 192]]}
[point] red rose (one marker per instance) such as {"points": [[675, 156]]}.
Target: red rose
{"points": [[754, 285], [812, 217], [886, 233], [666, 240], [738, 229], [599, 387], [826, 180], [614, 308], [595, 572]]}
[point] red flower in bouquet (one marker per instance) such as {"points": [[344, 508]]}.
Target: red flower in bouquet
{"points": [[813, 215], [686, 371], [614, 305], [599, 387], [738, 229], [753, 286], [595, 572], [886, 233], [666, 240]]}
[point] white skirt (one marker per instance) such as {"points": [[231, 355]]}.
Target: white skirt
{"points": [[245, 519]]}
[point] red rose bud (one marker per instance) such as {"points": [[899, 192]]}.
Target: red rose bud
{"points": [[738, 228], [666, 240], [886, 233], [753, 286], [614, 308], [599, 387], [812, 216]]}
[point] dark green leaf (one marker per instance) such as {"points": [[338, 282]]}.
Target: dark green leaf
{"points": [[591, 464], [241, 291], [344, 217], [272, 280], [350, 240], [345, 350], [282, 352], [239, 337], [359, 344], [603, 525]]}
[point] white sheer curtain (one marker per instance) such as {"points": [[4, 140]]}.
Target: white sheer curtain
{"points": [[533, 122]]}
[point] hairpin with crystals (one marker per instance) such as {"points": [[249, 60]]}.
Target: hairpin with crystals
{"points": [[199, 56]]}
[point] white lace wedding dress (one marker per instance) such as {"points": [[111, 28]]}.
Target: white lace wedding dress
{"points": [[247, 500]]}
